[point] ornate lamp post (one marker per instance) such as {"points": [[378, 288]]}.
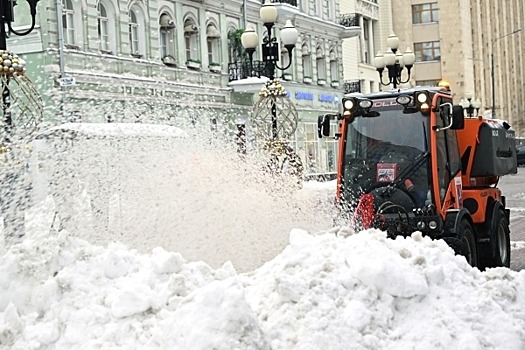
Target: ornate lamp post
{"points": [[270, 49], [394, 61], [469, 106], [22, 111]]}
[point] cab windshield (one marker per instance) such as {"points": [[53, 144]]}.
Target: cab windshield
{"points": [[385, 147]]}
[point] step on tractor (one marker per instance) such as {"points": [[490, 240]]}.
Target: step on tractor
{"points": [[410, 160]]}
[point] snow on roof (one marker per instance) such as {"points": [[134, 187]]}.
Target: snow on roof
{"points": [[115, 129]]}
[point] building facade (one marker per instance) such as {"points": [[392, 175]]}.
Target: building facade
{"points": [[457, 41], [174, 62], [374, 18]]}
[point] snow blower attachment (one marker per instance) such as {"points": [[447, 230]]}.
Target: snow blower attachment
{"points": [[409, 160]]}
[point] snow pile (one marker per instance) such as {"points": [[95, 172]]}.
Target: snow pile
{"points": [[321, 292]]}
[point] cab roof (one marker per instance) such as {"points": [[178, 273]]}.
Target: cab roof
{"points": [[397, 92]]}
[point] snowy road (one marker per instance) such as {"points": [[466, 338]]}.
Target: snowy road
{"points": [[513, 187]]}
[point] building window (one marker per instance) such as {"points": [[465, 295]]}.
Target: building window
{"points": [[320, 63], [285, 61], [191, 41], [68, 14], [167, 39], [331, 150], [425, 13], [427, 82], [334, 71], [311, 147], [429, 51], [307, 62], [133, 33], [213, 45], [103, 33], [137, 31]]}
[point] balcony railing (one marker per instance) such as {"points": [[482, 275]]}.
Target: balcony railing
{"points": [[243, 70], [289, 2], [349, 20], [352, 86]]}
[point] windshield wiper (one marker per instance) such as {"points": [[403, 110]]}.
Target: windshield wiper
{"points": [[407, 172]]}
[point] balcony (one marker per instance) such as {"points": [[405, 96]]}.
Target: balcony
{"points": [[351, 23], [289, 2], [242, 70], [352, 86]]}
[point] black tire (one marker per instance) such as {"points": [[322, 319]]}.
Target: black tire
{"points": [[499, 252], [468, 243]]}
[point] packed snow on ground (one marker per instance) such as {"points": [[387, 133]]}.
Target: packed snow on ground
{"points": [[323, 291]]}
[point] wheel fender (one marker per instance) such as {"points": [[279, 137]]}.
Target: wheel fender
{"points": [[453, 220]]}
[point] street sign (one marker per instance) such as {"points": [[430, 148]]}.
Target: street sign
{"points": [[67, 81]]}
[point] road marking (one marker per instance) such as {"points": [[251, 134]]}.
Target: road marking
{"points": [[517, 244]]}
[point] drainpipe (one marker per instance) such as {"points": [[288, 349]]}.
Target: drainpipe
{"points": [[60, 32], [244, 9]]}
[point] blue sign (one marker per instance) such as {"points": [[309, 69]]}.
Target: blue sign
{"points": [[327, 98], [300, 95]]}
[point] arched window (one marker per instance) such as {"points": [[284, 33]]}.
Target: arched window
{"points": [[334, 67], [167, 39], [137, 31], [285, 60], [133, 33], [191, 39], [307, 62], [103, 33], [68, 23], [320, 64], [213, 45]]}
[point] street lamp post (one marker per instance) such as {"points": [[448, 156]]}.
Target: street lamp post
{"points": [[270, 48], [394, 62], [469, 106], [492, 70]]}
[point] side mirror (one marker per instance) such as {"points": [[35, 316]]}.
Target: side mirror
{"points": [[323, 125], [458, 118]]}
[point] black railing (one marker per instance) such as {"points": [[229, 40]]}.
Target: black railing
{"points": [[349, 20], [243, 70], [289, 2], [352, 86]]}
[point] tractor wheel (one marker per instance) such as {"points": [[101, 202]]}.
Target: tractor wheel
{"points": [[468, 243], [499, 252]]}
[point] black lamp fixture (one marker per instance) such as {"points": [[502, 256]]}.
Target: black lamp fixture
{"points": [[394, 61], [469, 106], [270, 47], [6, 18]]}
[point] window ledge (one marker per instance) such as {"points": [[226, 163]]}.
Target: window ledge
{"points": [[307, 80], [193, 65]]}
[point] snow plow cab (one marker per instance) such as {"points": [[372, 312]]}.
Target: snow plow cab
{"points": [[409, 160]]}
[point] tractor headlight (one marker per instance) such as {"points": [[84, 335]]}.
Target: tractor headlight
{"points": [[348, 104], [365, 104]]}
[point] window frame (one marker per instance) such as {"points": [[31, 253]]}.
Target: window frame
{"points": [[425, 13], [433, 46]]}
